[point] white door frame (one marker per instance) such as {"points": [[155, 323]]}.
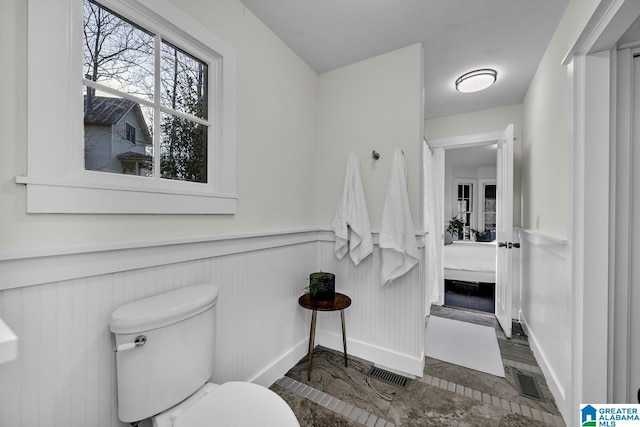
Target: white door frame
{"points": [[463, 141], [625, 204], [590, 64], [434, 224]]}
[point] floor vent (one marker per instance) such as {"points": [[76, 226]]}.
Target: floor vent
{"points": [[388, 377], [528, 386]]}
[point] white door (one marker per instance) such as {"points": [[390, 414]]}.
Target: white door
{"points": [[504, 230], [433, 212]]}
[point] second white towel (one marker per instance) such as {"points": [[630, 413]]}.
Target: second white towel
{"points": [[397, 237]]}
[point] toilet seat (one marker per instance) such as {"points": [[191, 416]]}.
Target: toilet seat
{"points": [[235, 404]]}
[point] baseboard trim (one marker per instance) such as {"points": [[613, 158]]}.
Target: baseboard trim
{"points": [[281, 366], [557, 390], [384, 358]]}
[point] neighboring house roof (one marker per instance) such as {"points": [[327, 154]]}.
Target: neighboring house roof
{"points": [[106, 111], [109, 111], [130, 155]]}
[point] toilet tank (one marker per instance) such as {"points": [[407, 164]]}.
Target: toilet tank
{"points": [[177, 356]]}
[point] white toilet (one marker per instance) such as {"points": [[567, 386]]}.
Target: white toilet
{"points": [[164, 358]]}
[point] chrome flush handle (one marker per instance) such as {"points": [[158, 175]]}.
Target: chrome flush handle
{"points": [[138, 342]]}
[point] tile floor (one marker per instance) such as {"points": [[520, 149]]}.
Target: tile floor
{"points": [[446, 395]]}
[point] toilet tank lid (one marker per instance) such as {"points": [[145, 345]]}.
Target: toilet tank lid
{"points": [[163, 309]]}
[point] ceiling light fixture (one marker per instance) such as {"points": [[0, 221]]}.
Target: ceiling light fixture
{"points": [[476, 80]]}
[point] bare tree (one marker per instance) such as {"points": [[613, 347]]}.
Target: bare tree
{"points": [[117, 50]]}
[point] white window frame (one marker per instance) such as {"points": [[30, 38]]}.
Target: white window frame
{"points": [[474, 199], [481, 212], [56, 180]]}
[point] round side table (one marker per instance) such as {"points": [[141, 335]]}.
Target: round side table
{"points": [[339, 302]]}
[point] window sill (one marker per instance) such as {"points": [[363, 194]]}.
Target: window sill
{"points": [[60, 196]]}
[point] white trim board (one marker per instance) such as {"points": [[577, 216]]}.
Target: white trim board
{"points": [[466, 140], [558, 392], [281, 366], [33, 267], [589, 71], [609, 22], [552, 244], [384, 358], [38, 266]]}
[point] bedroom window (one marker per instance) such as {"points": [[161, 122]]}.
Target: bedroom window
{"points": [[123, 72], [464, 207], [488, 205]]}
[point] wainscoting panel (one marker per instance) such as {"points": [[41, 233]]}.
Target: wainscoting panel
{"points": [[384, 323], [546, 309], [65, 371], [65, 376]]}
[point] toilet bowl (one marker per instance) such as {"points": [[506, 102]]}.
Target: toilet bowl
{"points": [[230, 404], [164, 361]]}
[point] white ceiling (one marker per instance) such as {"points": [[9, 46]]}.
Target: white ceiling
{"points": [[458, 36], [632, 35]]}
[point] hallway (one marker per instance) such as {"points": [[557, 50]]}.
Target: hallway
{"points": [[446, 395]]}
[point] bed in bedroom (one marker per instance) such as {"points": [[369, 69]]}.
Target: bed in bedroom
{"points": [[470, 261]]}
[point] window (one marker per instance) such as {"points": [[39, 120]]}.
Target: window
{"points": [[488, 205], [464, 207], [474, 203], [157, 93], [130, 133]]}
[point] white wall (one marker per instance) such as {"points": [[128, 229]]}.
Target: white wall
{"points": [[546, 133], [374, 104], [547, 295], [485, 121], [546, 314], [277, 98]]}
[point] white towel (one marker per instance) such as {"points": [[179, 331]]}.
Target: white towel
{"points": [[397, 237], [351, 223]]}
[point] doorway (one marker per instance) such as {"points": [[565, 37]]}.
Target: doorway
{"points": [[469, 256], [461, 201]]}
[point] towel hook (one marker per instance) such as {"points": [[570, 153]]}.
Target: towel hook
{"points": [[374, 155]]}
